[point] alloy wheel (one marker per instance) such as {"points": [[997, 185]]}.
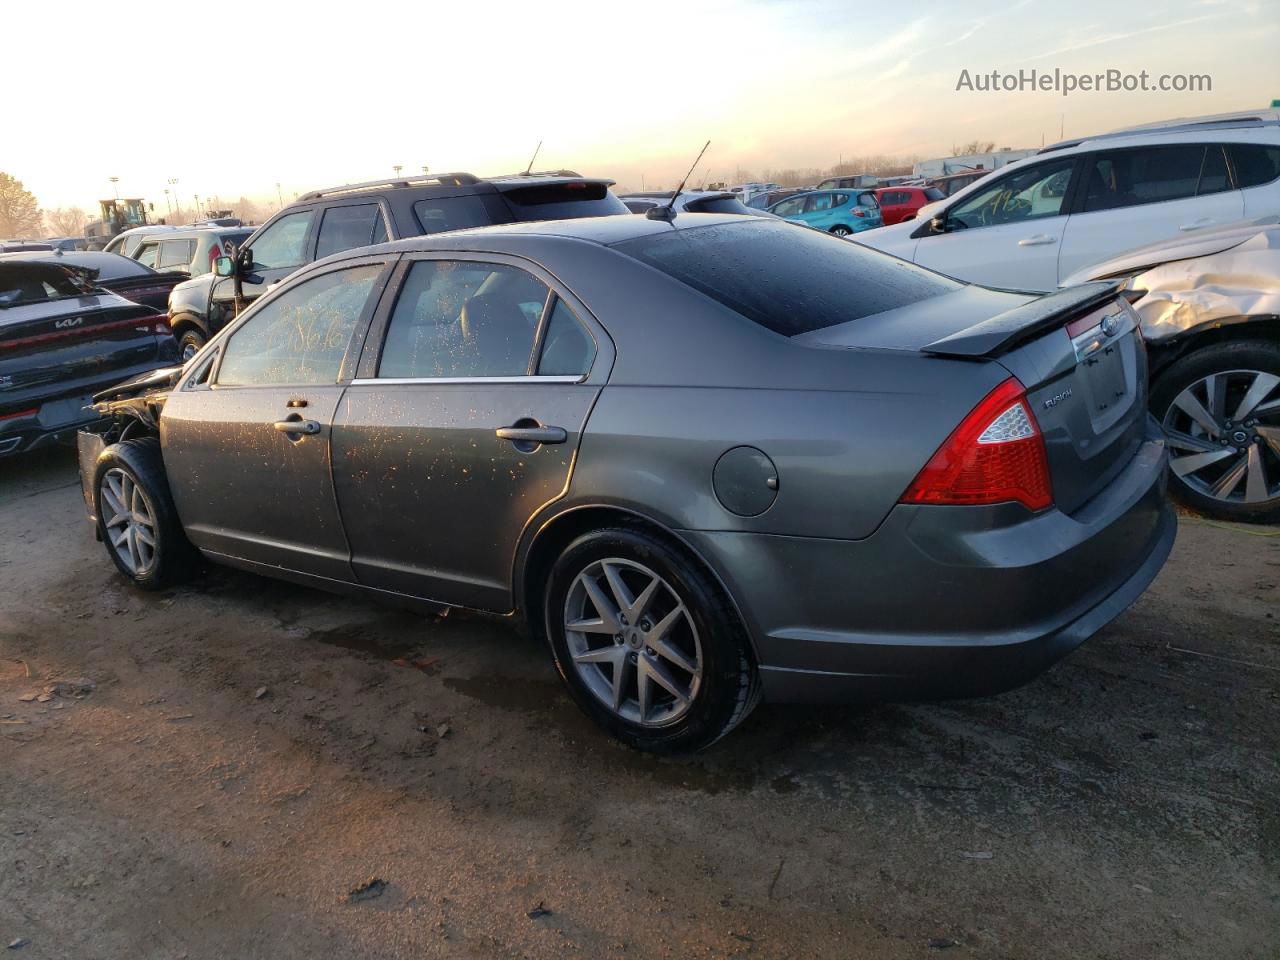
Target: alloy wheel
{"points": [[1224, 436], [189, 350], [129, 520], [633, 642]]}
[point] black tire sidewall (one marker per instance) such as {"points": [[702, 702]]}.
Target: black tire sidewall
{"points": [[723, 645], [1186, 370], [140, 458], [191, 336]]}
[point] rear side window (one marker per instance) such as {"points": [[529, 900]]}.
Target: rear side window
{"points": [[461, 319], [437, 215], [148, 254], [786, 279], [567, 348], [1255, 164], [343, 228], [176, 253], [1127, 178], [562, 201]]}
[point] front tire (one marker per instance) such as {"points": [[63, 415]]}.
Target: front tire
{"points": [[189, 343], [1220, 409], [841, 231], [647, 642], [137, 520]]}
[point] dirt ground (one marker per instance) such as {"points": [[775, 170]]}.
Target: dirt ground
{"points": [[253, 754]]}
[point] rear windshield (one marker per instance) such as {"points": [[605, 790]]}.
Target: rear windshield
{"points": [[563, 201], [786, 277], [109, 265], [868, 200], [31, 283]]}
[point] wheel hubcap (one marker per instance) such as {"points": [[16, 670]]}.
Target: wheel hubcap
{"points": [[1224, 436], [633, 642], [129, 521]]}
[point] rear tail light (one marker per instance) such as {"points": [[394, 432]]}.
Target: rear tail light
{"points": [[858, 212], [996, 455], [20, 414]]}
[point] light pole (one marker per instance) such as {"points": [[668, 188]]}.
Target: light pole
{"points": [[197, 216], [114, 181], [425, 169], [397, 168], [279, 198]]}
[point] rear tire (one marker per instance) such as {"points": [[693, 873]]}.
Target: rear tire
{"points": [[1226, 481], [840, 230], [686, 634], [137, 520]]}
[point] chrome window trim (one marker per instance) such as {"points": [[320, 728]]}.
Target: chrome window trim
{"points": [[525, 378]]}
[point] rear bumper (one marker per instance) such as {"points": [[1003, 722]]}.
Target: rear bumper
{"points": [[946, 602]]}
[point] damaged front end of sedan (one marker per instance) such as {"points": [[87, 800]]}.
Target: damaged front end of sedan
{"points": [[130, 410]]}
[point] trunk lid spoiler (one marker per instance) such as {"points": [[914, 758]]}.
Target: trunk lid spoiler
{"points": [[1004, 331]]}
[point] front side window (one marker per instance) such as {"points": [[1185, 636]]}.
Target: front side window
{"points": [[301, 336], [148, 254], [567, 348], [1127, 178], [1028, 194], [463, 319], [282, 244], [176, 253], [344, 228]]}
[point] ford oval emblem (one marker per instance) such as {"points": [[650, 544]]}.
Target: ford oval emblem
{"points": [[1110, 324]]}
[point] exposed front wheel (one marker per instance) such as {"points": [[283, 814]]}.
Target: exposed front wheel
{"points": [[136, 517], [840, 230], [189, 344], [1220, 408], [647, 642]]}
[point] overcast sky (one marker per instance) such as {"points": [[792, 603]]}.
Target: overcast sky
{"points": [[231, 98]]}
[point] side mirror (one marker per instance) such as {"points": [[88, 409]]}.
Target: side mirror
{"points": [[224, 267], [938, 224]]}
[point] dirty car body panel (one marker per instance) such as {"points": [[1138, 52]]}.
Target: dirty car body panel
{"points": [[426, 484]]}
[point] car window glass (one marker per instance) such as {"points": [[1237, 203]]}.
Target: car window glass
{"points": [[176, 253], [1027, 194], [281, 244], [567, 349], [463, 319], [1255, 164], [867, 200], [1213, 171], [451, 213], [343, 228], [817, 202], [790, 281], [148, 253], [933, 193], [788, 208], [1126, 178], [300, 336]]}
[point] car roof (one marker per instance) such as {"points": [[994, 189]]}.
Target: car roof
{"points": [[452, 181], [183, 233], [76, 258]]}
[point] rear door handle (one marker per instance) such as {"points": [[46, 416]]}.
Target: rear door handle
{"points": [[305, 427], [1036, 240], [533, 434], [1197, 224]]}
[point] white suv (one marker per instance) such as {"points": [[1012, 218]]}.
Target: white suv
{"points": [[1075, 203]]}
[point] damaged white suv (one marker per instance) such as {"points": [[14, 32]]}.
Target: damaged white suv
{"points": [[1038, 220]]}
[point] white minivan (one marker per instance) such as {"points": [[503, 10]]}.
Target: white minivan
{"points": [[1074, 204]]}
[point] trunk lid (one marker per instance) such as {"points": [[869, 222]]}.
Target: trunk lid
{"points": [[68, 347], [1078, 353]]}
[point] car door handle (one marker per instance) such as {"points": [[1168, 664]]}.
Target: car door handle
{"points": [[1036, 240], [305, 427], [533, 434], [1196, 224]]}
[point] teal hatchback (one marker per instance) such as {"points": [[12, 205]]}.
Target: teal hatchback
{"points": [[841, 212]]}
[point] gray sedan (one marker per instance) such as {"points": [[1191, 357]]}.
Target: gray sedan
{"points": [[709, 461]]}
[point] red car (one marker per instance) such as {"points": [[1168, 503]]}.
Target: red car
{"points": [[901, 203]]}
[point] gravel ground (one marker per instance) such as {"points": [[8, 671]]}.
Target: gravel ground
{"points": [[260, 770]]}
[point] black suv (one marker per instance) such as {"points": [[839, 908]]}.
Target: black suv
{"points": [[328, 221]]}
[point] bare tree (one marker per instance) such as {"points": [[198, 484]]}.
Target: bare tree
{"points": [[972, 147], [246, 210], [19, 214], [66, 222]]}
